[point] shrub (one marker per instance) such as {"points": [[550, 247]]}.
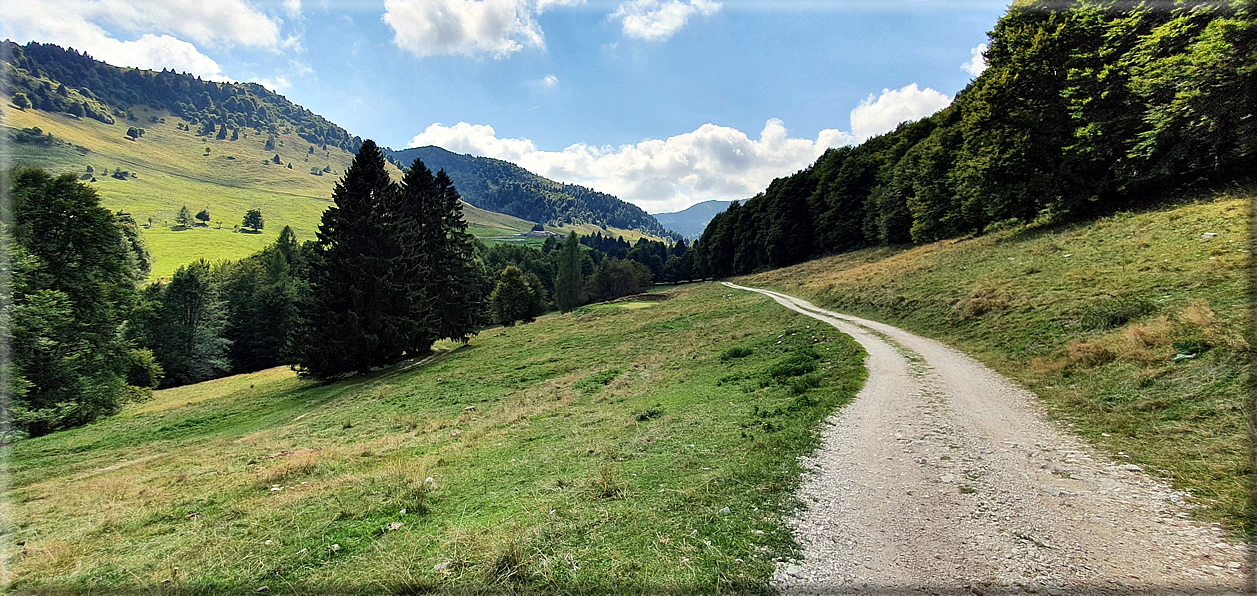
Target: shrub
{"points": [[797, 364], [1112, 313], [735, 352]]}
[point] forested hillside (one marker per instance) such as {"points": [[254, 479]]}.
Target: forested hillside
{"points": [[51, 78], [1085, 107], [504, 187]]}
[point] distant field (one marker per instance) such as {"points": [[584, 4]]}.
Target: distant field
{"points": [[1090, 317], [173, 170], [614, 449]]}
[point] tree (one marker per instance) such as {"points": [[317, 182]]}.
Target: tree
{"points": [[345, 315], [189, 341], [276, 159], [253, 220], [76, 108], [270, 144], [184, 218], [204, 216], [570, 282], [222, 132], [71, 289], [615, 278], [133, 133], [21, 101], [235, 134], [513, 299]]}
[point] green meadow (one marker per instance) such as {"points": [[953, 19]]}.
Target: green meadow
{"points": [[611, 449]]}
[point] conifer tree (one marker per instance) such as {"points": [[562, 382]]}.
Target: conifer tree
{"points": [[567, 292], [345, 324]]}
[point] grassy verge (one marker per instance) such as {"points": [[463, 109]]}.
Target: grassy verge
{"points": [[607, 450], [1128, 328]]}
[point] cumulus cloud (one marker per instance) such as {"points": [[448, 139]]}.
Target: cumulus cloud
{"points": [[657, 20], [497, 28], [278, 84], [977, 60], [712, 162], [292, 8], [882, 114], [544, 5], [163, 28]]}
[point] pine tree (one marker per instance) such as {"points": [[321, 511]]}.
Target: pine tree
{"points": [[462, 297], [567, 292], [344, 315], [512, 300], [185, 217], [190, 345]]}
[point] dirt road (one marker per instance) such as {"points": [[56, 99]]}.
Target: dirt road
{"points": [[943, 477]]}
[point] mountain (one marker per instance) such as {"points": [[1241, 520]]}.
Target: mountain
{"points": [[504, 187], [79, 124], [691, 221]]}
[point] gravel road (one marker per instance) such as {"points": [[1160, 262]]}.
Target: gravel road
{"points": [[943, 477]]}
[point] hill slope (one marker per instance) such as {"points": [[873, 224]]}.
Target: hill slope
{"points": [[691, 221], [581, 468], [173, 164], [1091, 317], [504, 187]]}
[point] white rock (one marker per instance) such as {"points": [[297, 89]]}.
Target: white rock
{"points": [[268, 543], [1208, 235], [441, 566], [335, 547], [724, 511]]}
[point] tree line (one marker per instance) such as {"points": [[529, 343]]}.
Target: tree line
{"points": [[51, 78], [392, 270], [1085, 107]]}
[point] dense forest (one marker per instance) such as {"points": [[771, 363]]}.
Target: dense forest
{"points": [[504, 187], [1085, 107], [50, 78]]}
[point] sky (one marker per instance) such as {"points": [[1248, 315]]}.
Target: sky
{"points": [[664, 103]]}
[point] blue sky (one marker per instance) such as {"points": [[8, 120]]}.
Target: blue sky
{"points": [[662, 102]]}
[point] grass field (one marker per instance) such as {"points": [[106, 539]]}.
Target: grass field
{"points": [[1091, 317], [173, 169], [606, 450]]}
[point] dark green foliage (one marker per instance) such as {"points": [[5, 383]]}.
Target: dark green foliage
{"points": [[184, 218], [513, 299], [21, 101], [190, 321], [570, 281], [203, 216], [615, 278], [1086, 106], [253, 220], [801, 362], [260, 294], [222, 132], [347, 316], [69, 288]]}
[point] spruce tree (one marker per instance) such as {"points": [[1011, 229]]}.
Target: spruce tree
{"points": [[570, 281], [462, 297], [345, 312]]}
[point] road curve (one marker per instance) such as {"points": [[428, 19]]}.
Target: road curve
{"points": [[943, 477]]}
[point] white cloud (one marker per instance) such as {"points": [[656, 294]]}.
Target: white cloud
{"points": [[977, 60], [550, 81], [293, 8], [882, 114], [712, 162], [164, 29], [657, 20], [278, 84], [498, 28], [544, 5]]}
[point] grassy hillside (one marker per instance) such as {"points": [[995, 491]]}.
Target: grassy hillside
{"points": [[172, 169], [642, 446], [1090, 317]]}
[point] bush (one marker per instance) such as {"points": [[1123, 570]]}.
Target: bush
{"points": [[735, 352], [797, 364]]}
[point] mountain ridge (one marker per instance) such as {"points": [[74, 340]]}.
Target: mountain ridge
{"points": [[691, 221]]}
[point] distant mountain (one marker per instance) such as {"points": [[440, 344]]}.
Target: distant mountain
{"points": [[692, 221], [504, 187]]}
